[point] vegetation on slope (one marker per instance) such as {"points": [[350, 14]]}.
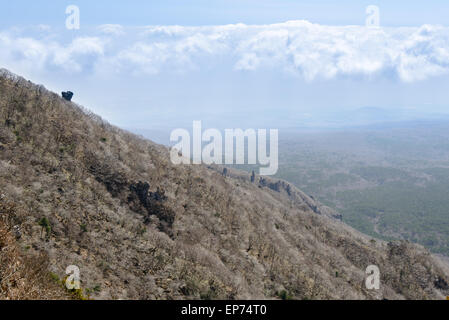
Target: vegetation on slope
{"points": [[139, 227], [22, 276]]}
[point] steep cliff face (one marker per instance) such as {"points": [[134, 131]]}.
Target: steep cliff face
{"points": [[139, 227]]}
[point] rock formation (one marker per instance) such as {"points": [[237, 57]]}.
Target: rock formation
{"points": [[67, 95]]}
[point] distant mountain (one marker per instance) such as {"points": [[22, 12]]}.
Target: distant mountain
{"points": [[138, 227], [365, 117]]}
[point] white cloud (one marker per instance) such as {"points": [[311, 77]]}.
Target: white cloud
{"points": [[301, 48], [112, 29], [81, 53]]}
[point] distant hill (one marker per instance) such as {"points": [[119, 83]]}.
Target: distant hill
{"points": [[92, 195]]}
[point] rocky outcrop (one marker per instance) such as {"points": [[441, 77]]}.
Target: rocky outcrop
{"points": [[137, 195], [299, 197], [67, 95], [277, 186], [153, 204], [441, 284], [114, 181]]}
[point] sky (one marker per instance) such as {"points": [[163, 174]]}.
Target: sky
{"points": [[218, 12], [249, 63]]}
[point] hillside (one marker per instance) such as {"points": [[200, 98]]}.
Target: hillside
{"points": [[23, 276], [92, 195]]}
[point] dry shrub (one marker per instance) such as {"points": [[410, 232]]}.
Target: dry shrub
{"points": [[23, 277]]}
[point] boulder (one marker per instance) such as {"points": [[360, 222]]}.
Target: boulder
{"points": [[67, 95]]}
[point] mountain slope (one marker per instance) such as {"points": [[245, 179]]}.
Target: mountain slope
{"points": [[23, 276], [139, 227]]}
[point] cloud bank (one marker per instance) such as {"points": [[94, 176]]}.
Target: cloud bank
{"points": [[297, 48]]}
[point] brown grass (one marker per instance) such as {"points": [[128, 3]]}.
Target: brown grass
{"points": [[23, 277]]}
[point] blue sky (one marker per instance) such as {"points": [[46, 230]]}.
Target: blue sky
{"points": [[213, 12], [247, 63]]}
